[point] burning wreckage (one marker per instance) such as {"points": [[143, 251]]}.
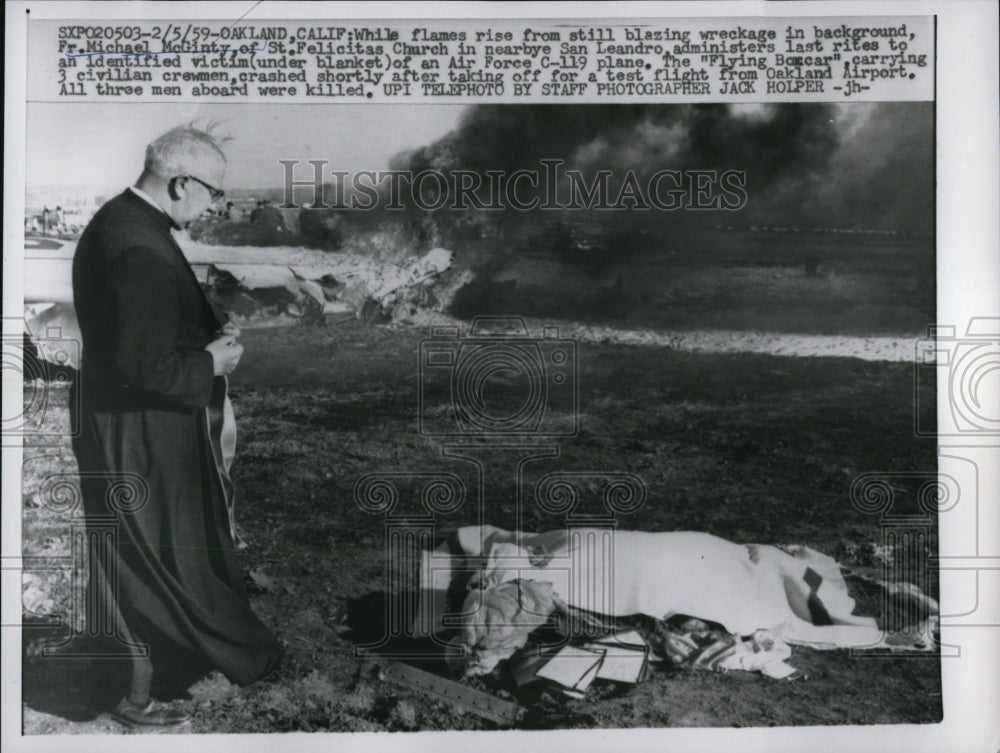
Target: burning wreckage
{"points": [[256, 286], [316, 287]]}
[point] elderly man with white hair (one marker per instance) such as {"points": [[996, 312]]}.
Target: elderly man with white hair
{"points": [[152, 405]]}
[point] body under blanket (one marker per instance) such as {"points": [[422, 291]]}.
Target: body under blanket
{"points": [[795, 593]]}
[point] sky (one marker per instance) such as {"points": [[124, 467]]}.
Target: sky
{"points": [[101, 145]]}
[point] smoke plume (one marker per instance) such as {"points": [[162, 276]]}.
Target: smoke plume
{"points": [[862, 166]]}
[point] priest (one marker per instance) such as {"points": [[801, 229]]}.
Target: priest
{"points": [[155, 435]]}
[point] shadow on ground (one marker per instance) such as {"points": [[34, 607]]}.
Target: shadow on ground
{"points": [[369, 619], [61, 679], [79, 678]]}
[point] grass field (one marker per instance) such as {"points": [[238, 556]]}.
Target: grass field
{"points": [[753, 448], [762, 280]]}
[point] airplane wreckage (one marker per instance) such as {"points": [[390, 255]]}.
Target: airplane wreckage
{"points": [[256, 286]]}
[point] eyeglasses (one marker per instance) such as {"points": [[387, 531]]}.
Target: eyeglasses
{"points": [[215, 193]]}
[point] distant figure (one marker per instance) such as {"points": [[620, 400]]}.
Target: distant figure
{"points": [[267, 215], [57, 219], [46, 220], [255, 213], [232, 213]]}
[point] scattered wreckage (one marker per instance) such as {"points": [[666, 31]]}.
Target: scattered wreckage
{"points": [[257, 286]]}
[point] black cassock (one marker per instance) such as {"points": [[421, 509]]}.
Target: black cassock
{"points": [[144, 445]]}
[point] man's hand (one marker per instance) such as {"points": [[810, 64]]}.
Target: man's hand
{"points": [[226, 353], [230, 328]]}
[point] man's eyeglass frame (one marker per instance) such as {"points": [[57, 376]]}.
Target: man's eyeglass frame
{"points": [[215, 193]]}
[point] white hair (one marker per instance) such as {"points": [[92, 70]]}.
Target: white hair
{"points": [[182, 150]]}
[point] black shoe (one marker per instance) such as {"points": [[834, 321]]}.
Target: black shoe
{"points": [[154, 715]]}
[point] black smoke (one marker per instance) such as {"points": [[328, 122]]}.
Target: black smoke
{"points": [[867, 166]]}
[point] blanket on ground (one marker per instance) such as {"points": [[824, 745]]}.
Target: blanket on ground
{"points": [[797, 595]]}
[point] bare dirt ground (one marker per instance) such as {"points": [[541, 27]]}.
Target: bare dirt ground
{"points": [[748, 446]]}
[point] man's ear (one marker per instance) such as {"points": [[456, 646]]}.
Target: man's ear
{"points": [[175, 186]]}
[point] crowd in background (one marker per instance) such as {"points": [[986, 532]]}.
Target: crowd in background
{"points": [[59, 222]]}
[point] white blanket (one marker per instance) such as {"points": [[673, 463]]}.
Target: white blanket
{"points": [[745, 588]]}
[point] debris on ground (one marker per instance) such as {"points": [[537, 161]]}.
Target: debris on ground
{"points": [[622, 658], [482, 704]]}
